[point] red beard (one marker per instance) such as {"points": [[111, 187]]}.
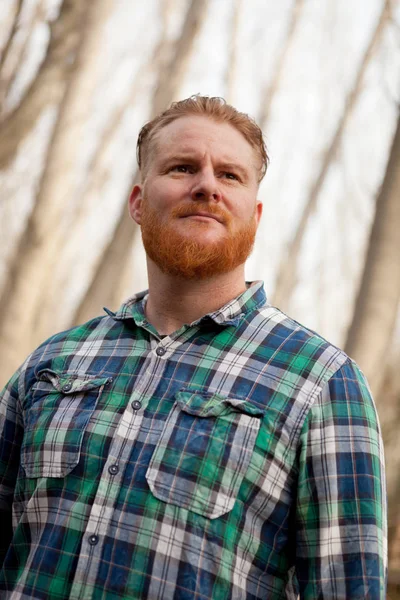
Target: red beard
{"points": [[181, 256]]}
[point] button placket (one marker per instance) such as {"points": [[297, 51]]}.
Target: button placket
{"points": [[120, 449]]}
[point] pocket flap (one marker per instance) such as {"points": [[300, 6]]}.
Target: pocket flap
{"points": [[68, 382], [214, 405]]}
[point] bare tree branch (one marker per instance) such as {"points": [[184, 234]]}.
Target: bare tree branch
{"points": [[171, 78], [232, 53], [16, 54], [48, 87], [117, 252], [13, 30], [286, 280], [378, 298], [272, 86]]}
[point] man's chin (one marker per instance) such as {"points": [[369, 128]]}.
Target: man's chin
{"points": [[202, 242], [201, 230]]}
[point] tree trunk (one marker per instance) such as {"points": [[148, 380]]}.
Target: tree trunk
{"points": [[388, 402], [378, 298], [270, 89], [36, 255], [48, 87], [231, 69], [5, 78], [287, 271]]}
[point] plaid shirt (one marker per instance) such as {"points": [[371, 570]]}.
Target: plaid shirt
{"points": [[238, 458]]}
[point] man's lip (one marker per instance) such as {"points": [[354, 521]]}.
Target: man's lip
{"points": [[204, 214]]}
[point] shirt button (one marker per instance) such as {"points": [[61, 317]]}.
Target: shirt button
{"points": [[113, 469], [136, 405], [93, 540], [160, 351], [66, 387]]}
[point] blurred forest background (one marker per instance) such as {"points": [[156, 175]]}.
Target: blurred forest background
{"points": [[322, 78]]}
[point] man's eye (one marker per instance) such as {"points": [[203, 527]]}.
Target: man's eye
{"points": [[232, 176], [181, 168]]}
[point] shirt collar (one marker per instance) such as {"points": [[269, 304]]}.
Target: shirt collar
{"points": [[230, 314], [235, 310]]}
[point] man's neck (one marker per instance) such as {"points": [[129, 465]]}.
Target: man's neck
{"points": [[173, 301]]}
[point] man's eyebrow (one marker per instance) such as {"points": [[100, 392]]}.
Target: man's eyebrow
{"points": [[191, 156], [179, 156]]}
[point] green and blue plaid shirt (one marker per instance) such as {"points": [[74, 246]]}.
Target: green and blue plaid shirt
{"points": [[238, 458]]}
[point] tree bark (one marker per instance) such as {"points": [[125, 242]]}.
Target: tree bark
{"points": [[7, 48], [287, 271], [378, 298], [48, 87]]}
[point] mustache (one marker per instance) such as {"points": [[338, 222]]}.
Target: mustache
{"points": [[193, 208]]}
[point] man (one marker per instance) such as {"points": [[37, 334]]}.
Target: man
{"points": [[198, 443]]}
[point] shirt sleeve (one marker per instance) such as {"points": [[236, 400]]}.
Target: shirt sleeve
{"points": [[341, 528], [11, 431]]}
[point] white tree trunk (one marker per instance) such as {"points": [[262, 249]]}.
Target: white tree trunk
{"points": [[377, 303], [287, 271], [36, 256]]}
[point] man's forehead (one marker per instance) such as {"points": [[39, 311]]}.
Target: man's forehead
{"points": [[193, 135]]}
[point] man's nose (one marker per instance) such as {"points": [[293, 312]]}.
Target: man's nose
{"points": [[206, 186]]}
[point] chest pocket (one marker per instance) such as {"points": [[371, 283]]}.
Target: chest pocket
{"points": [[203, 453], [55, 421]]}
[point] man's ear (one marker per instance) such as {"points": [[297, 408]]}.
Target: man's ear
{"points": [[259, 209], [135, 203]]}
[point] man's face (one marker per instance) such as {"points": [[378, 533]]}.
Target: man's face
{"points": [[197, 207]]}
